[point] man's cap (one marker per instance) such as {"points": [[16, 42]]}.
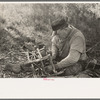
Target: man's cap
{"points": [[59, 23]]}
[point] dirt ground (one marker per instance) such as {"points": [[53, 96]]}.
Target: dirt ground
{"points": [[11, 52]]}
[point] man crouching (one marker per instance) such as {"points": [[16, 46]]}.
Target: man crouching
{"points": [[68, 47]]}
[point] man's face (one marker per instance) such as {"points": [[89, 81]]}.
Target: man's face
{"points": [[62, 33]]}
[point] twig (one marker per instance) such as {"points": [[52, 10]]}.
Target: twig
{"points": [[27, 53], [33, 69], [93, 46], [40, 57], [55, 74], [38, 60], [6, 55], [34, 74], [53, 67]]}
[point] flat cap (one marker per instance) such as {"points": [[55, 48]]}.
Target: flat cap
{"points": [[59, 23]]}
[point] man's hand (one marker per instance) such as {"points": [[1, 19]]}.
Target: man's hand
{"points": [[49, 68]]}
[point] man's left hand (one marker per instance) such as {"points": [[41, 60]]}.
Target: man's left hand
{"points": [[50, 69]]}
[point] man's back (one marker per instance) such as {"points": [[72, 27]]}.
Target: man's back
{"points": [[75, 41]]}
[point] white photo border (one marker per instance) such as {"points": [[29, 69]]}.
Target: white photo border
{"points": [[55, 88]]}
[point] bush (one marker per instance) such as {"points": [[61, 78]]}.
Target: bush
{"points": [[34, 20]]}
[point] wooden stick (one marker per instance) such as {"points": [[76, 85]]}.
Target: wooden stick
{"points": [[33, 69], [93, 46], [38, 60], [51, 62], [40, 57], [55, 74], [39, 52], [5, 57], [27, 53]]}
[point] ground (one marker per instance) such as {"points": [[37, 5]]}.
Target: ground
{"points": [[11, 51]]}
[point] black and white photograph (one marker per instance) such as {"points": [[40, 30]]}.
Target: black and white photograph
{"points": [[49, 40], [49, 50]]}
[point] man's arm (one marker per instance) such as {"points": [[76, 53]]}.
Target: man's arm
{"points": [[76, 49], [71, 59], [54, 49]]}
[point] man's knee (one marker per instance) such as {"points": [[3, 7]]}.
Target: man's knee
{"points": [[73, 70]]}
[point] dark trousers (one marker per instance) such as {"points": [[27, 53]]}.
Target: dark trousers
{"points": [[74, 69]]}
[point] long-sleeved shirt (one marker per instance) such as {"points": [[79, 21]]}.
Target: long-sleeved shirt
{"points": [[70, 51]]}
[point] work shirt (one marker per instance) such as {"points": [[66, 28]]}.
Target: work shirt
{"points": [[74, 40]]}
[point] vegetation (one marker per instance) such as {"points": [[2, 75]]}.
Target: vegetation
{"points": [[31, 20]]}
